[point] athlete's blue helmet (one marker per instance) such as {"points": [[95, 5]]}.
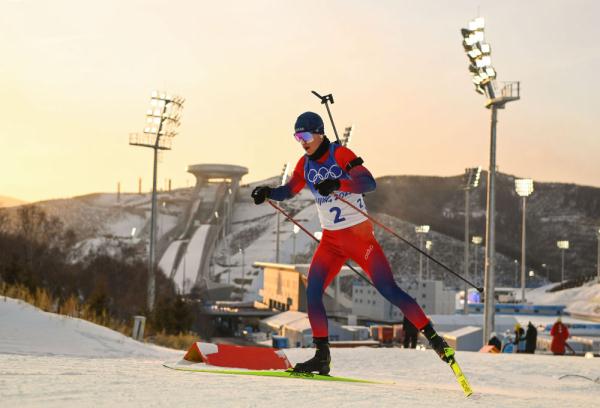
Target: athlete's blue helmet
{"points": [[309, 122]]}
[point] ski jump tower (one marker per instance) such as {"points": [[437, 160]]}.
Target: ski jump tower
{"points": [[208, 216], [228, 175]]}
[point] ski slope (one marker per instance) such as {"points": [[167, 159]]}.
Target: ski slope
{"points": [[583, 301], [53, 361]]}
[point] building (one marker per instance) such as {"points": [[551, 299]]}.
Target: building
{"points": [[432, 296], [368, 304], [284, 289]]}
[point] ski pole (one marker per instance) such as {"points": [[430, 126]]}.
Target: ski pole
{"points": [[391, 231], [325, 100], [286, 215]]}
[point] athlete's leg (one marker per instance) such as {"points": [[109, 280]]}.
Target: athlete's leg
{"points": [[365, 251], [325, 265]]}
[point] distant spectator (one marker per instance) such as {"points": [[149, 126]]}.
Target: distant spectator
{"points": [[559, 334], [519, 339], [530, 339], [495, 341], [410, 334]]}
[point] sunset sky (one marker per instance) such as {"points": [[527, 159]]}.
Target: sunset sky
{"points": [[76, 77]]}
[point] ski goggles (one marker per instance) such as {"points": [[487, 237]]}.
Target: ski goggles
{"points": [[305, 137]]}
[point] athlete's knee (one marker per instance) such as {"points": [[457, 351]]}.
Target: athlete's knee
{"points": [[393, 292], [314, 292]]}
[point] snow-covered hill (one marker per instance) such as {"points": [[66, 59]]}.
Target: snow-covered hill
{"points": [[27, 330], [52, 361], [582, 302]]}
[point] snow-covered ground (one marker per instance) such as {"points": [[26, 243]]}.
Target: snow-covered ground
{"points": [[53, 361]]}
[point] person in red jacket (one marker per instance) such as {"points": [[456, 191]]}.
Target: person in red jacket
{"points": [[559, 334]]}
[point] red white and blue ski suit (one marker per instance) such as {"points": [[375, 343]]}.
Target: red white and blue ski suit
{"points": [[347, 234]]}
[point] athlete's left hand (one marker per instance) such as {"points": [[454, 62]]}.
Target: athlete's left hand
{"points": [[327, 186]]}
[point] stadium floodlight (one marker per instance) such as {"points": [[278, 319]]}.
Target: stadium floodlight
{"points": [[472, 176], [347, 135], [563, 246], [162, 118], [477, 24], [484, 82], [484, 48], [523, 187], [421, 230], [484, 61]]}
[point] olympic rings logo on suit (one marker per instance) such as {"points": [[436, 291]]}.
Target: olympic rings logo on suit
{"points": [[324, 173]]}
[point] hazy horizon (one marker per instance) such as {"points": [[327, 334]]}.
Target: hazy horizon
{"points": [[77, 76]]}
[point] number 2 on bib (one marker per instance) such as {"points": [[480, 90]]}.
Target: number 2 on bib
{"points": [[338, 214]]}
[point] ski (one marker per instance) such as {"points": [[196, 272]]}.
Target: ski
{"points": [[460, 377], [269, 373]]}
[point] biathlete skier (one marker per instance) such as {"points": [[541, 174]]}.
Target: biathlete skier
{"points": [[327, 168]]}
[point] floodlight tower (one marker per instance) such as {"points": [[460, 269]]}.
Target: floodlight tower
{"points": [[284, 174], [421, 230], [347, 135], [524, 188], [498, 95], [563, 246], [471, 181], [162, 118]]}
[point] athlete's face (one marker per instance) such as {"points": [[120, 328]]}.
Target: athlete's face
{"points": [[313, 145]]}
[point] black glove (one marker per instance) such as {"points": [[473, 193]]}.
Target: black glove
{"points": [[327, 186], [260, 194]]}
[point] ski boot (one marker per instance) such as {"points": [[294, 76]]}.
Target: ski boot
{"points": [[320, 362], [438, 344]]}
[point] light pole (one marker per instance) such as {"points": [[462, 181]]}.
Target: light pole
{"points": [[243, 262], [421, 230], [472, 180], [296, 229], [284, 174], [498, 95], [162, 118], [598, 260], [563, 246], [516, 273], [523, 187], [545, 267], [428, 247], [476, 240]]}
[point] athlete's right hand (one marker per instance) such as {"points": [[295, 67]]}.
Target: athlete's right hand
{"points": [[260, 194]]}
